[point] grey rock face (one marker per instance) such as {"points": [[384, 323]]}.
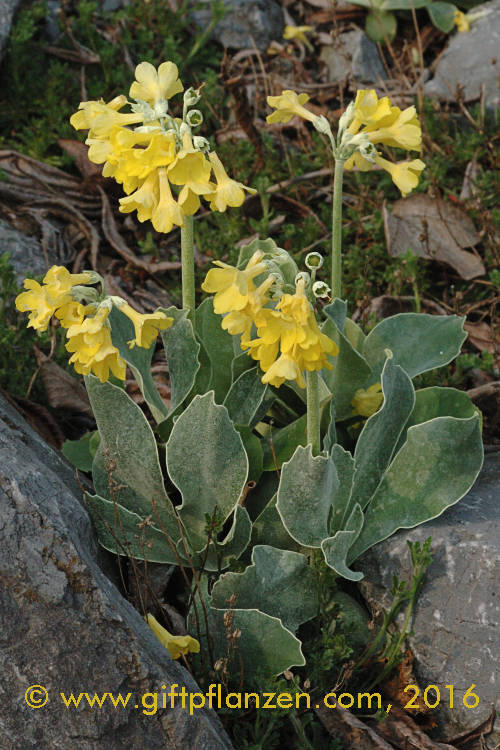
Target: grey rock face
{"points": [[353, 57], [26, 253], [246, 22], [471, 61], [456, 626], [7, 10], [64, 626]]}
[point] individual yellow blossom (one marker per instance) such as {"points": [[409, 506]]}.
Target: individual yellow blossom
{"points": [[405, 174], [367, 401], [160, 152], [167, 213], [40, 305], [287, 105], [100, 118], [358, 161], [298, 33], [228, 192], [72, 313], [144, 200], [43, 301], [232, 286], [93, 350], [191, 170], [240, 322], [400, 130], [284, 368], [176, 645], [146, 326], [461, 21], [369, 110], [153, 85]]}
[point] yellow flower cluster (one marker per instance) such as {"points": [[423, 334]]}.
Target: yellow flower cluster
{"points": [[385, 124], [159, 153], [88, 329], [177, 645], [288, 340]]}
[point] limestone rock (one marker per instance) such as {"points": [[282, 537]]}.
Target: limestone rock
{"points": [[246, 22], [353, 57], [7, 11], [471, 61], [26, 253], [456, 626], [66, 627]]}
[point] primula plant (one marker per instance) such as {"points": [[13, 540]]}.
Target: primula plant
{"points": [[293, 442]]}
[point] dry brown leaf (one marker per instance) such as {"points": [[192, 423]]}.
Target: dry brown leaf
{"points": [[387, 305], [350, 730], [483, 337], [483, 729], [435, 229], [400, 729], [63, 391], [395, 688], [79, 152]]}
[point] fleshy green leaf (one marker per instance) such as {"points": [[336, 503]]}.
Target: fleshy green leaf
{"points": [[278, 582], [268, 529], [442, 15], [126, 467], [336, 548], [181, 349], [307, 486], [248, 398], [380, 435], [341, 505], [281, 444], [139, 361], [235, 543], [218, 345], [253, 449], [418, 342], [381, 26], [436, 466], [81, 452], [207, 462], [350, 371], [121, 531]]}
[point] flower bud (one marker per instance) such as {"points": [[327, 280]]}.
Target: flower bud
{"points": [[346, 118], [191, 97], [200, 143], [322, 125], [320, 289], [314, 261], [194, 118], [304, 276]]}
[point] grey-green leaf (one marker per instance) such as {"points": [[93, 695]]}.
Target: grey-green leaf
{"points": [[181, 349], [232, 547], [436, 466], [268, 529], [207, 462], [418, 342], [248, 398], [336, 548], [278, 582], [139, 361], [218, 345], [307, 486], [380, 435], [127, 458]]}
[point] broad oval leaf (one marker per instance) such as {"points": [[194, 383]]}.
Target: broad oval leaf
{"points": [[336, 548], [181, 349], [218, 345]]}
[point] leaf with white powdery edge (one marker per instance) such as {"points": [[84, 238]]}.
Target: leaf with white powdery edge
{"points": [[207, 462], [278, 582], [121, 531], [181, 349], [248, 398], [307, 485], [418, 342], [336, 548], [139, 360], [218, 344], [128, 451], [380, 435], [436, 466], [219, 556]]}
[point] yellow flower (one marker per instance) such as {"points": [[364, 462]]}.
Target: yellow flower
{"points": [[358, 161], [240, 322], [144, 200], [160, 152], [461, 21], [405, 174], [231, 286], [228, 192], [176, 645], [400, 130], [72, 313], [367, 401], [100, 118], [93, 350], [146, 327], [298, 33], [369, 109], [153, 85], [43, 301], [39, 303], [287, 105], [167, 212], [285, 368], [192, 170]]}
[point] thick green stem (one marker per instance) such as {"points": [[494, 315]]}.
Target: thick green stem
{"points": [[313, 433], [336, 281], [187, 260]]}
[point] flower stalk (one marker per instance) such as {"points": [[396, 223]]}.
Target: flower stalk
{"points": [[187, 261], [313, 431], [336, 259]]}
